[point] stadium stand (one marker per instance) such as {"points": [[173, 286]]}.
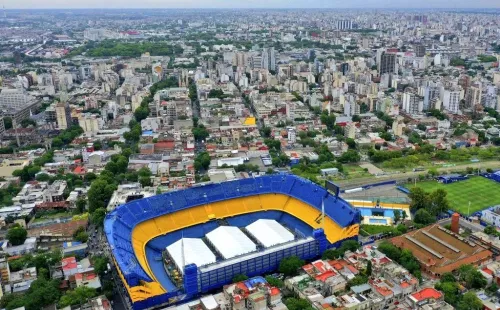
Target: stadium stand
{"points": [[139, 231], [451, 178]]}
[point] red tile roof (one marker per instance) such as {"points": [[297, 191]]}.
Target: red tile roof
{"points": [[427, 293], [324, 276], [69, 263]]}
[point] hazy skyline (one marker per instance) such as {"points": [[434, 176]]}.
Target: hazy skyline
{"points": [[30, 4]]}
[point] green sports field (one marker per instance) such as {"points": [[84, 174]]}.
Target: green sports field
{"points": [[481, 193]]}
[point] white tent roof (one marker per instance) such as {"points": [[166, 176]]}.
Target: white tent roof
{"points": [[230, 241], [195, 252], [269, 232]]}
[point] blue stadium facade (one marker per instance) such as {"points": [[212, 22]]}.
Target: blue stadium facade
{"points": [[138, 258]]}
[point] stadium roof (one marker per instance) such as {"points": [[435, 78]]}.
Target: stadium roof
{"points": [[230, 241], [269, 232], [195, 252]]}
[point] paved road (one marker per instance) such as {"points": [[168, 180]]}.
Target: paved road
{"points": [[97, 245], [346, 184]]}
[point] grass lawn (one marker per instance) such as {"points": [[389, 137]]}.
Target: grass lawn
{"points": [[481, 193], [368, 230], [52, 216]]}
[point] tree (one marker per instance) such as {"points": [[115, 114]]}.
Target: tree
{"points": [[390, 250], [357, 280], [369, 268], [423, 217], [100, 263], [145, 177], [448, 277], [350, 143], [451, 291], [82, 236], [297, 304], [7, 122], [17, 235], [202, 161], [78, 296], [141, 113], [200, 133], [422, 127], [404, 215], [419, 199], [239, 277], [42, 177], [439, 202], [470, 302], [275, 282], [266, 132], [81, 205], [328, 120], [41, 293], [490, 230], [356, 118], [99, 194], [397, 215], [98, 216], [289, 266]]}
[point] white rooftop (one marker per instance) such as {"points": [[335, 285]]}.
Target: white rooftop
{"points": [[195, 252], [269, 232], [230, 241]]}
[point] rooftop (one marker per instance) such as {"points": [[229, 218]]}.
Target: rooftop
{"points": [[190, 251], [230, 241], [440, 250], [269, 232]]}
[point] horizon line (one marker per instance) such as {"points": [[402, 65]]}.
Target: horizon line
{"points": [[251, 8]]}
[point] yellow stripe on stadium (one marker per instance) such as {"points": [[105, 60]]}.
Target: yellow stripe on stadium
{"points": [[147, 230]]}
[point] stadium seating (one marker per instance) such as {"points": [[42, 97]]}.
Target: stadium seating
{"points": [[294, 201]]}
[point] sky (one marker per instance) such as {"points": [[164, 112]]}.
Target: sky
{"points": [[35, 4]]}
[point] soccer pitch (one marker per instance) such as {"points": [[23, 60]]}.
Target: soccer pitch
{"points": [[481, 192]]}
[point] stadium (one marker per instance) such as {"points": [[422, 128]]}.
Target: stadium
{"points": [[175, 246]]}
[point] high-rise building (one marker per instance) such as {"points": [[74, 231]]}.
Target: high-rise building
{"points": [[89, 123], [387, 63], [430, 93], [240, 59], [344, 24], [268, 59], [350, 131], [13, 99], [473, 95], [419, 50], [451, 100], [2, 126], [344, 68], [63, 115], [292, 135], [412, 103]]}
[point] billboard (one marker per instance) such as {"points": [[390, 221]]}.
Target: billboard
{"points": [[332, 187]]}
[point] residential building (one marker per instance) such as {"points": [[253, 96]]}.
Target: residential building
{"points": [[63, 115], [387, 63]]}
